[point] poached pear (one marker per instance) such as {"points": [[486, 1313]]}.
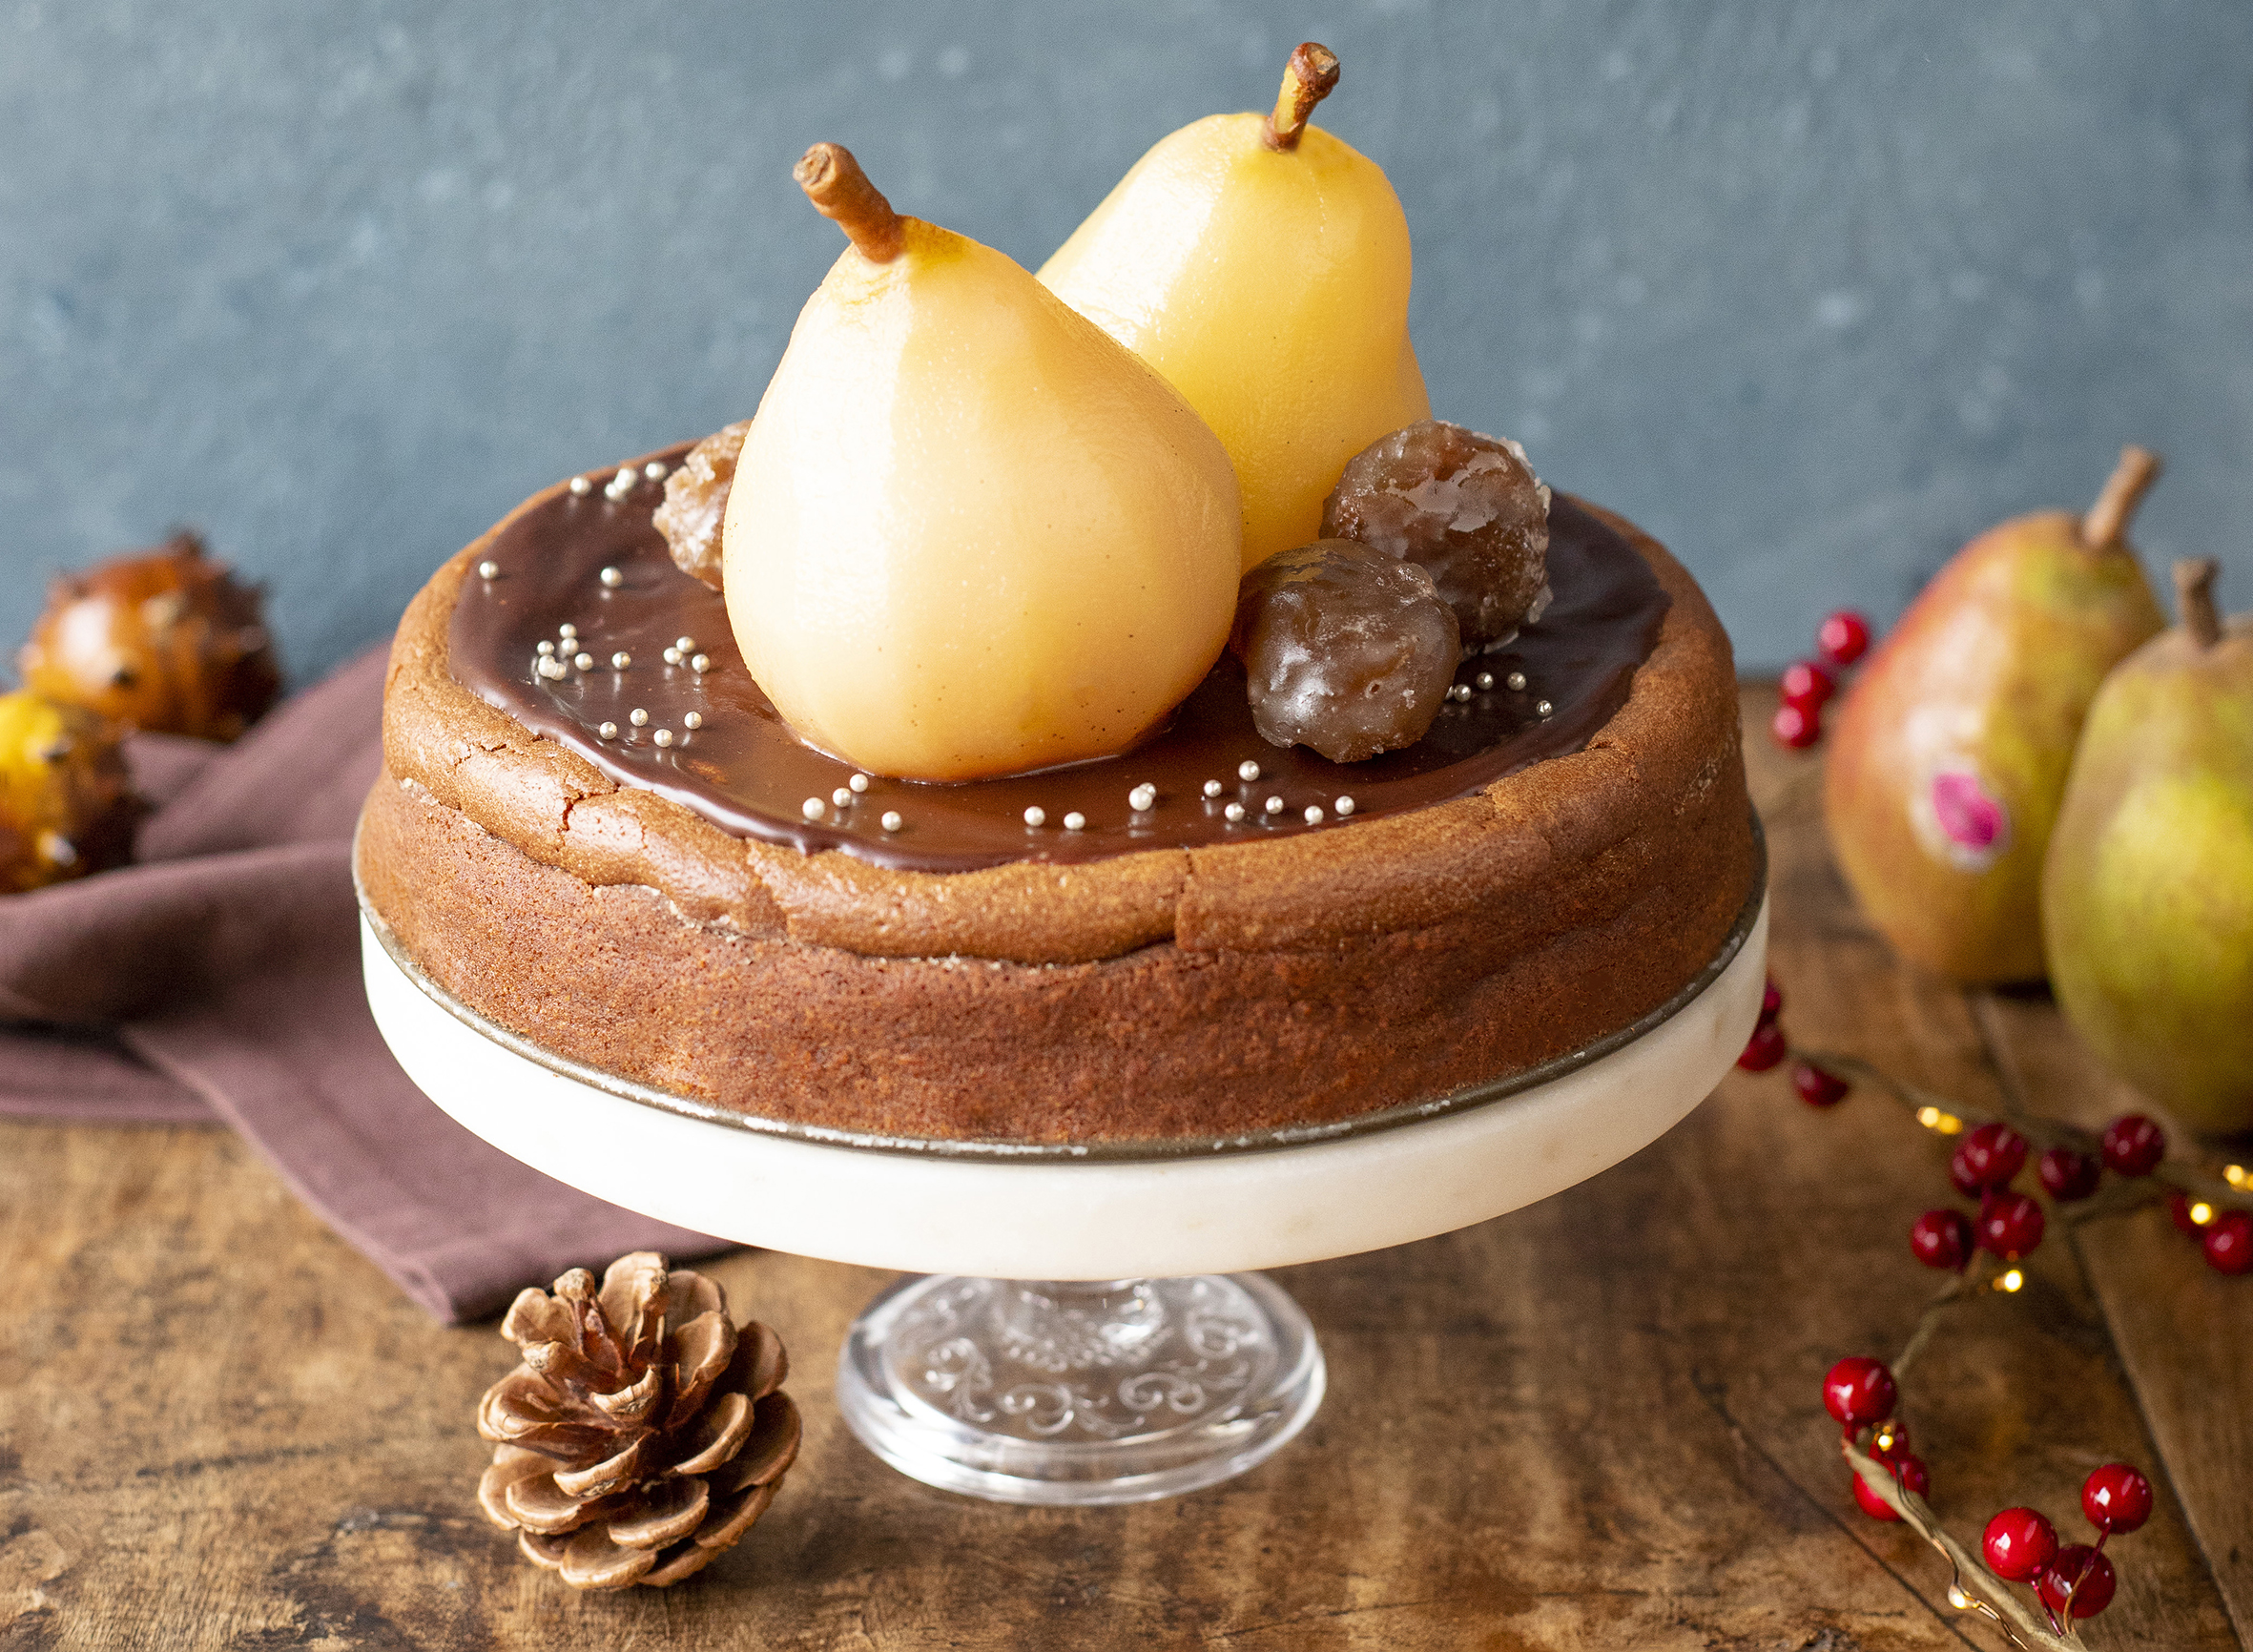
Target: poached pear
{"points": [[2147, 895], [1950, 756], [1262, 265], [970, 534]]}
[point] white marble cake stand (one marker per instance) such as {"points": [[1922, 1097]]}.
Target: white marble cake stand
{"points": [[1089, 1332]]}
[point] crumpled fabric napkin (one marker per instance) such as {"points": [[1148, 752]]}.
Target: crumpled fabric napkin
{"points": [[218, 978]]}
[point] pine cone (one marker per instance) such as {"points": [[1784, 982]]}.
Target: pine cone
{"points": [[642, 1435]]}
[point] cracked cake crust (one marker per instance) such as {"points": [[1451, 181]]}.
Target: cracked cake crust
{"points": [[1165, 993]]}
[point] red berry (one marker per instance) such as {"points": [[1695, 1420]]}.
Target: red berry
{"points": [[1988, 1157], [1844, 637], [1941, 1238], [1960, 1178], [1817, 1087], [2010, 1226], [2068, 1175], [2117, 1498], [1909, 1472], [1767, 1047], [1807, 685], [2229, 1243], [1891, 1443], [2018, 1544], [1859, 1392], [2178, 1203], [1797, 727], [2080, 1575], [1772, 1002], [2134, 1144]]}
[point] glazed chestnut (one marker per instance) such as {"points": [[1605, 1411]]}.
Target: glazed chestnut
{"points": [[696, 503], [1468, 508], [169, 641], [1346, 649]]}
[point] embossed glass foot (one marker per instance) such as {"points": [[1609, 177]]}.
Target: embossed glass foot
{"points": [[1047, 1392]]}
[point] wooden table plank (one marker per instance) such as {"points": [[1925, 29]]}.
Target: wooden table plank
{"points": [[1590, 1424]]}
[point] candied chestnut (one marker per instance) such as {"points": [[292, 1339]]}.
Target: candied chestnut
{"points": [[67, 806], [696, 503], [1466, 507], [169, 641], [1346, 649]]}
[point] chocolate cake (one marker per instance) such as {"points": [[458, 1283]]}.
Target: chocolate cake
{"points": [[593, 831]]}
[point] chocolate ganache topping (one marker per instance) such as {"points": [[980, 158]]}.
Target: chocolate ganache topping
{"points": [[709, 740]]}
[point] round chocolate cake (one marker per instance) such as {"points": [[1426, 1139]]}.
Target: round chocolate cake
{"points": [[594, 831]]}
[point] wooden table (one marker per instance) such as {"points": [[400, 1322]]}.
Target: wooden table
{"points": [[1594, 1423]]}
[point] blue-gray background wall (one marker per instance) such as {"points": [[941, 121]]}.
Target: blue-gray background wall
{"points": [[1814, 291]]}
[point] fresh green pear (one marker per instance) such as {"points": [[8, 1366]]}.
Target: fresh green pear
{"points": [[970, 534], [1950, 755], [2147, 895], [1262, 265]]}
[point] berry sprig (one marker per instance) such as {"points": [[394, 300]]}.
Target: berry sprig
{"points": [[2069, 1582], [1809, 685], [2215, 1211]]}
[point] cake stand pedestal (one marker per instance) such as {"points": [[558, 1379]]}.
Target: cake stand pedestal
{"points": [[1094, 1333]]}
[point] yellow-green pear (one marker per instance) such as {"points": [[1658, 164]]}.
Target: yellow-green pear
{"points": [[1950, 755], [1263, 266], [2147, 895], [970, 534]]}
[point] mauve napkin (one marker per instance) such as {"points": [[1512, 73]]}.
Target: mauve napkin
{"points": [[219, 976]]}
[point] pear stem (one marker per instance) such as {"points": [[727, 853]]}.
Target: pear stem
{"points": [[2194, 598], [841, 191], [2106, 525], [1308, 78]]}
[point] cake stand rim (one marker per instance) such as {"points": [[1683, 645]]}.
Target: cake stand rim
{"points": [[1456, 1104]]}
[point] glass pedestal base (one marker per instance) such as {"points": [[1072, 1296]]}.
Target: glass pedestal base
{"points": [[1057, 1392]]}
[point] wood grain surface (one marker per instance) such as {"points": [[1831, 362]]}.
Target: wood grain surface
{"points": [[1594, 1423]]}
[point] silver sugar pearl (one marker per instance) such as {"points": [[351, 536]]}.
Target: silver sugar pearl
{"points": [[1543, 708], [1212, 788], [700, 663], [686, 645], [1036, 815], [606, 732], [1274, 806], [638, 718], [673, 657], [1516, 682], [693, 719], [1247, 770], [622, 483], [1075, 821], [1485, 680], [1142, 797], [580, 488], [567, 630], [813, 808], [1233, 813], [1314, 815], [858, 782], [553, 670], [620, 660], [663, 736], [1344, 807], [584, 662], [544, 648], [841, 797], [654, 470], [613, 579], [892, 822], [488, 570]]}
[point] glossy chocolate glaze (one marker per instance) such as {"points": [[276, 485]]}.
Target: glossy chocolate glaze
{"points": [[745, 772]]}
